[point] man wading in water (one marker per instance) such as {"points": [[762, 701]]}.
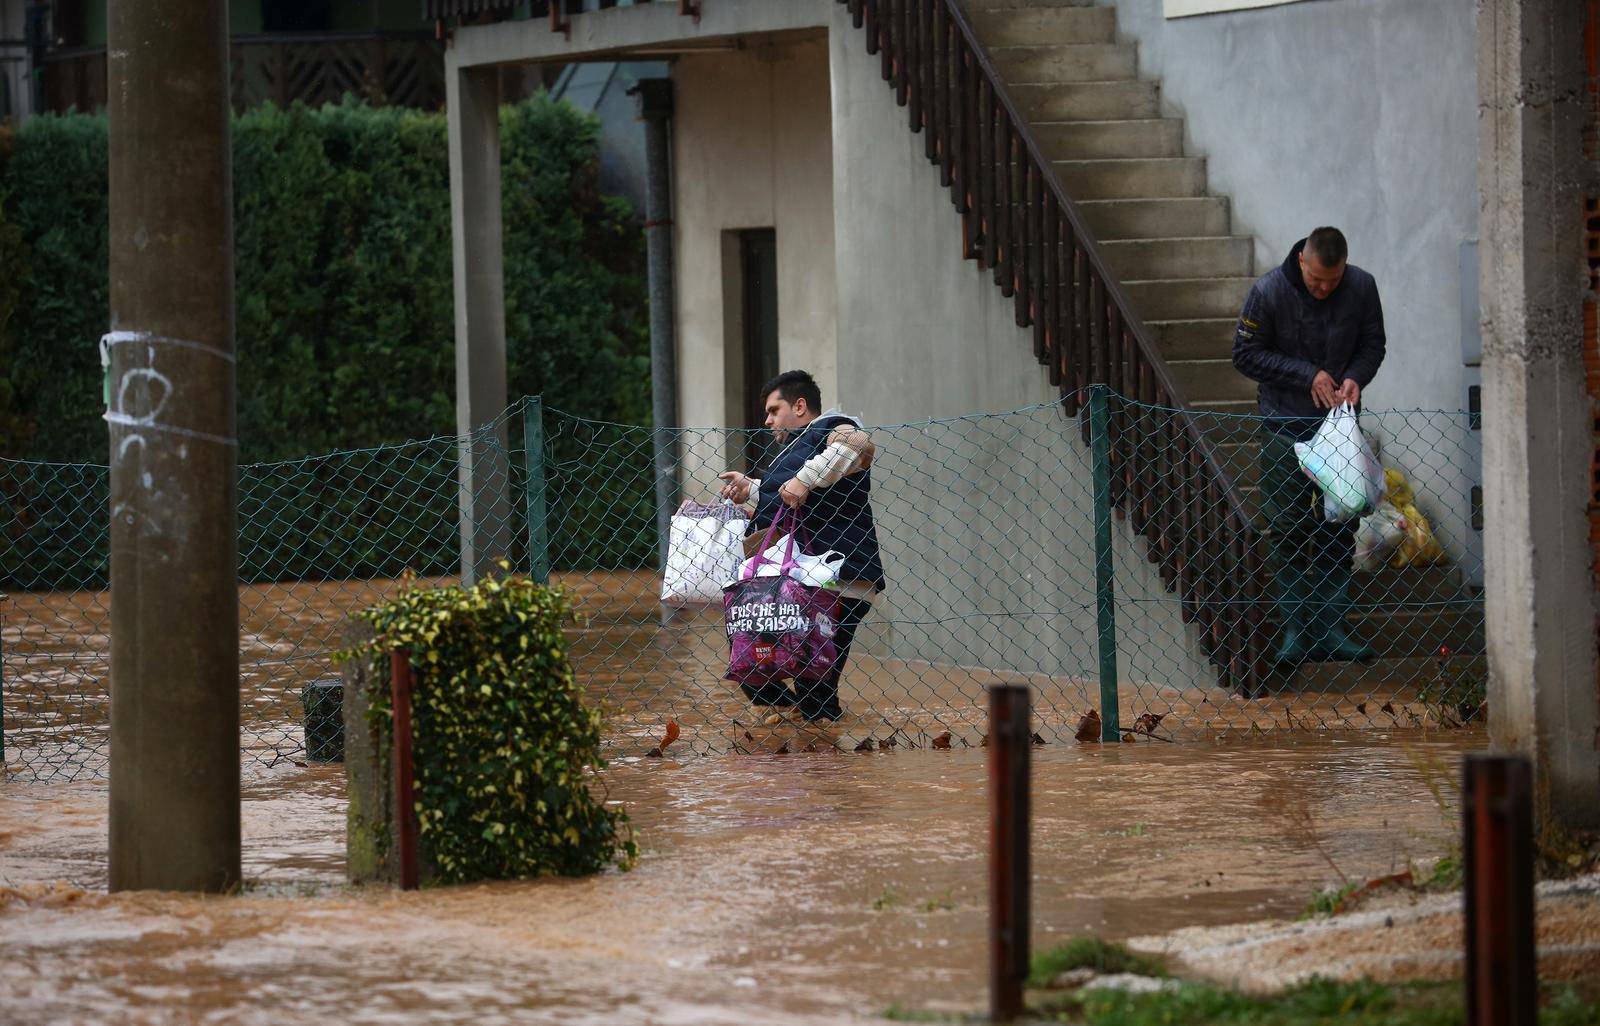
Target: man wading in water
{"points": [[824, 472]]}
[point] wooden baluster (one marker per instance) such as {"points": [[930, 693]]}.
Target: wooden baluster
{"points": [[1005, 198], [1053, 285], [1082, 366], [904, 47], [888, 44], [857, 14], [1147, 460], [870, 17], [1032, 245], [984, 172], [927, 78], [942, 89], [972, 221]]}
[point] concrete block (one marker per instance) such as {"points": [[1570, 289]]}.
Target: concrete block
{"points": [[1087, 101], [1087, 62], [1072, 24], [1129, 179], [1082, 140], [1183, 298], [1165, 218], [1224, 257], [1207, 338]]}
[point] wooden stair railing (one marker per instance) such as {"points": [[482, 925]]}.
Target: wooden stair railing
{"points": [[1018, 221]]}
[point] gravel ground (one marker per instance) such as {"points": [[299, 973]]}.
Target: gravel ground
{"points": [[1393, 937]]}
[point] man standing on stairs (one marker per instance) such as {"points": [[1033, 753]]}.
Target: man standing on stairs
{"points": [[1311, 333]]}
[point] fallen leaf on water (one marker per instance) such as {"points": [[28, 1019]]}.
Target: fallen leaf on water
{"points": [[1037, 739], [865, 745], [1128, 738], [1388, 707], [983, 740], [1088, 727], [783, 749], [1148, 722], [884, 745], [942, 741], [1361, 707], [672, 735]]}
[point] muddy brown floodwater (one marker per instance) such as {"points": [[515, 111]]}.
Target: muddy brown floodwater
{"points": [[803, 888]]}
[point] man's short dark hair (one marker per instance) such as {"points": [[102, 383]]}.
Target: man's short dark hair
{"points": [[795, 384], [1329, 246]]}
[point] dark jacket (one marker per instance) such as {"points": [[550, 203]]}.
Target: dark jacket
{"points": [[838, 517], [1285, 336]]}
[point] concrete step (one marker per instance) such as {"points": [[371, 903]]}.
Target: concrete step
{"points": [[1186, 217], [1354, 679], [1133, 179], [1040, 25], [1419, 631], [1410, 584], [1022, 5], [1087, 101], [1208, 339], [1217, 257], [1212, 380], [1085, 140], [1187, 298], [1075, 62]]}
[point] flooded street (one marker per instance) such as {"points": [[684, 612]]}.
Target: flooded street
{"points": [[802, 888]]}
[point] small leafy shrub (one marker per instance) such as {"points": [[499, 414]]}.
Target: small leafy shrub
{"points": [[503, 745], [1090, 953]]}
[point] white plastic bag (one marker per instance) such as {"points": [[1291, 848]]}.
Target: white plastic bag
{"points": [[1342, 464], [1379, 534], [704, 549], [815, 571]]}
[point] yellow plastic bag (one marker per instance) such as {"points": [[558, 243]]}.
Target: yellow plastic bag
{"points": [[1419, 547]]}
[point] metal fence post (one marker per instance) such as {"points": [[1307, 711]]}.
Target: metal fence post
{"points": [[1497, 839], [1105, 598], [400, 689], [533, 456], [1010, 739]]}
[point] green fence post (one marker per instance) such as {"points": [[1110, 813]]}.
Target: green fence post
{"points": [[1105, 599], [533, 453]]}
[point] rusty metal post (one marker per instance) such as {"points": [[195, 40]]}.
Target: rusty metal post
{"points": [[1010, 738], [174, 801], [1497, 839], [405, 813]]}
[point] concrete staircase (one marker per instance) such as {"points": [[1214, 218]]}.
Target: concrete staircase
{"points": [[1171, 243]]}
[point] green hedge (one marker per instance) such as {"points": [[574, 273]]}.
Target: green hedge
{"points": [[344, 317], [503, 744]]}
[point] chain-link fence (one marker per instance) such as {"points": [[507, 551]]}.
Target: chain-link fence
{"points": [[1090, 557]]}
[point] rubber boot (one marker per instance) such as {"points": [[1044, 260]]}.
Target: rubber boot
{"points": [[1336, 646], [1294, 636]]}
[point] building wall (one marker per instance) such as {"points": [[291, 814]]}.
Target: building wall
{"points": [[752, 149], [1315, 113], [15, 99], [986, 523]]}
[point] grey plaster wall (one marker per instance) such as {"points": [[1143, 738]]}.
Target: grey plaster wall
{"points": [[1357, 113], [1361, 114], [990, 548]]}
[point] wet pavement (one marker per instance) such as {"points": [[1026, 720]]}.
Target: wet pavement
{"points": [[801, 888]]}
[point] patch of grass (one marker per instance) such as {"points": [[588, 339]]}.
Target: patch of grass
{"points": [[1448, 874], [1316, 1003], [943, 903], [1137, 830], [887, 900], [1567, 1007], [1090, 953], [1326, 902]]}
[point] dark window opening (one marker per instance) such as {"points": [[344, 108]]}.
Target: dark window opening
{"points": [[758, 273]]}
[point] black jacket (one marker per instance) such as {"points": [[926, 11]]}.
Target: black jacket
{"points": [[838, 517], [1285, 336]]}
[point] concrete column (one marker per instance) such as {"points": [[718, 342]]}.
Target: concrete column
{"points": [[473, 101], [655, 107], [174, 809], [1538, 418]]}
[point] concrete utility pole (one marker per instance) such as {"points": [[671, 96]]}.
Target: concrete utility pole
{"points": [[472, 103], [655, 107], [1539, 438], [170, 406]]}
